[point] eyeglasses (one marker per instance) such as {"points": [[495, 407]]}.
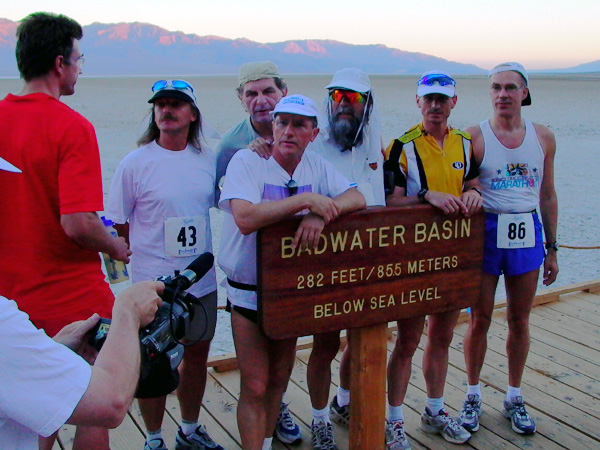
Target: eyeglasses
{"points": [[292, 187], [437, 78], [509, 88], [79, 61], [353, 97], [175, 84]]}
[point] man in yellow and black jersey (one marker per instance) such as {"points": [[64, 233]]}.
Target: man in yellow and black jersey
{"points": [[432, 163]]}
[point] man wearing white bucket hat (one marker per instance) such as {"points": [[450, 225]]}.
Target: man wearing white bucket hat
{"points": [[351, 141], [431, 163], [258, 192], [516, 158]]}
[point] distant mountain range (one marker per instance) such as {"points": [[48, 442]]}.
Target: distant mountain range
{"points": [[145, 49]]}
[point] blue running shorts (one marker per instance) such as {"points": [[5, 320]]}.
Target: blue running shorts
{"points": [[511, 261]]}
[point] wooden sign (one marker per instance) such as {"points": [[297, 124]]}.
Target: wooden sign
{"points": [[370, 267]]}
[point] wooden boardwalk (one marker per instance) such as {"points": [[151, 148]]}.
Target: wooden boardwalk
{"points": [[561, 385]]}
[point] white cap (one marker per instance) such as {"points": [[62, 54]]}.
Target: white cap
{"points": [[352, 79], [515, 67], [436, 82], [296, 104], [5, 165]]}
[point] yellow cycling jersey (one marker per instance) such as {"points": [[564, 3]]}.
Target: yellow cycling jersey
{"points": [[418, 162]]}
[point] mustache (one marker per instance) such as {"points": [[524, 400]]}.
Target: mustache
{"points": [[169, 116]]}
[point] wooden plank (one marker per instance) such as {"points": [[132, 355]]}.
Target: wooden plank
{"points": [[539, 391], [367, 386]]}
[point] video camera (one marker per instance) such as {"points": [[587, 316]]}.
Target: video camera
{"points": [[161, 349]]}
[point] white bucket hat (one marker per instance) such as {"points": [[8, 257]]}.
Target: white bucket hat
{"points": [[352, 79]]}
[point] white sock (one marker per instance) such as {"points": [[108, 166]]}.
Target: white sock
{"points": [[267, 443], [343, 396], [188, 427], [512, 393], [321, 415], [150, 435], [435, 405], [395, 413], [474, 389]]}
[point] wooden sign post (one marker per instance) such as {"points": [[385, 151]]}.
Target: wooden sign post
{"points": [[370, 268]]}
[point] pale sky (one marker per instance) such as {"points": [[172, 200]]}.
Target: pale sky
{"points": [[541, 34]]}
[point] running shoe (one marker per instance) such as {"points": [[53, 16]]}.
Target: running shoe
{"points": [[155, 444], [198, 440], [520, 419], [339, 414], [395, 438], [469, 416], [286, 430], [445, 425], [322, 436]]}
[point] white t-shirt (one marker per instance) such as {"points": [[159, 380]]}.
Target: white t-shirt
{"points": [[166, 196], [256, 180], [362, 165], [42, 381]]}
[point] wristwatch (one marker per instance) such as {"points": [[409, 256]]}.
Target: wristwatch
{"points": [[421, 195], [554, 246]]}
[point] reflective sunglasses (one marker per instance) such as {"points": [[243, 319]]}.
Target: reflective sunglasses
{"points": [[353, 97], [437, 78], [175, 84], [292, 187]]}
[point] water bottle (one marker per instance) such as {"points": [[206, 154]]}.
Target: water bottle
{"points": [[116, 270]]}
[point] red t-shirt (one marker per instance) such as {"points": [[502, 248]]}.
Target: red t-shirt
{"points": [[51, 278]]}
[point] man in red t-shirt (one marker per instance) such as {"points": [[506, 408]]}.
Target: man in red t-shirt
{"points": [[50, 234]]}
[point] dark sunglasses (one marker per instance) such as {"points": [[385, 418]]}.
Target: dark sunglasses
{"points": [[292, 187], [353, 97]]}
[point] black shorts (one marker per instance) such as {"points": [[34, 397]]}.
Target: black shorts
{"points": [[249, 314]]}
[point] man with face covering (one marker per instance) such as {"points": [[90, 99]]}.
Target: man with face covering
{"points": [[351, 141]]}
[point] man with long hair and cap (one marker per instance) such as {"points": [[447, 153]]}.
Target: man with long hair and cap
{"points": [[159, 199], [259, 192], [351, 141], [432, 163], [516, 165]]}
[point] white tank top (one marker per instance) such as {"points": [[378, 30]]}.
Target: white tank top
{"points": [[511, 177]]}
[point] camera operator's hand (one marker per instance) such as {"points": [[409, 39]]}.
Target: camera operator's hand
{"points": [[142, 299], [75, 336]]}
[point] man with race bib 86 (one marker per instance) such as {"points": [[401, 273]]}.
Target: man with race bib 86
{"points": [[516, 158]]}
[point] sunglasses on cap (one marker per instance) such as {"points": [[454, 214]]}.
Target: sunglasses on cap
{"points": [[353, 97], [175, 84], [437, 78]]}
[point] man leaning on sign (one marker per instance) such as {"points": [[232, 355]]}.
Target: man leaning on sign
{"points": [[432, 163], [259, 192]]}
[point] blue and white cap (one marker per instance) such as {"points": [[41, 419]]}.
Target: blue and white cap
{"points": [[296, 104], [5, 165]]}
